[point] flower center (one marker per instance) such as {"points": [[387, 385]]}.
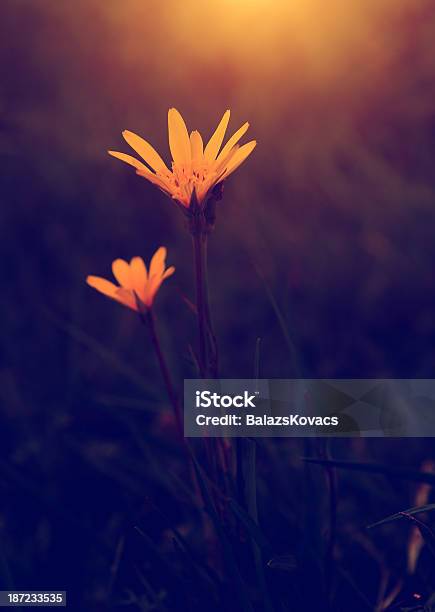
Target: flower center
{"points": [[184, 179]]}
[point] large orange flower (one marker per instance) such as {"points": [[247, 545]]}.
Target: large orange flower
{"points": [[194, 168], [136, 285]]}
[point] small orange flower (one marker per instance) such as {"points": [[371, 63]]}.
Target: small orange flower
{"points": [[136, 284], [194, 168]]}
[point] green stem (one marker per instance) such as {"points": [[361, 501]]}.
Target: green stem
{"points": [[332, 489], [199, 239], [150, 319], [248, 456], [213, 349], [201, 222]]}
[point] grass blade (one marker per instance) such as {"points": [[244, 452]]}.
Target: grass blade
{"points": [[99, 349], [251, 526], [376, 468], [399, 515], [240, 588]]}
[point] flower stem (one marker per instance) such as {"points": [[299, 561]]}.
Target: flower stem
{"points": [[208, 354], [213, 347], [199, 245], [150, 320]]}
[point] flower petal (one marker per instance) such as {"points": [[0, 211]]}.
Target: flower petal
{"points": [[179, 142], [102, 285], [157, 264], [233, 141], [196, 146], [128, 159], [139, 276], [221, 164], [146, 151], [121, 271], [142, 170], [126, 297], [152, 288], [155, 179], [215, 142], [238, 158], [168, 272], [155, 282]]}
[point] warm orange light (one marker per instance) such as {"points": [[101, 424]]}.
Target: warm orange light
{"points": [[273, 41]]}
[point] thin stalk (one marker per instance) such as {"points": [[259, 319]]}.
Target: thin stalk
{"points": [[149, 319], [332, 486], [199, 239], [173, 398], [250, 482], [324, 449], [251, 491], [292, 349], [213, 349], [200, 226]]}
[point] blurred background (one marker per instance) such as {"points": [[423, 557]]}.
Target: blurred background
{"points": [[324, 241]]}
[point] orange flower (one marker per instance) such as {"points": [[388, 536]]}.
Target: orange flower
{"points": [[136, 284], [194, 168]]}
